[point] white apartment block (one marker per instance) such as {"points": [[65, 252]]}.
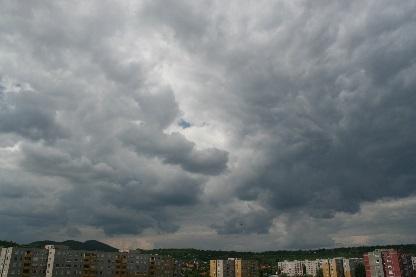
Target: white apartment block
{"points": [[414, 263], [291, 268], [311, 267]]}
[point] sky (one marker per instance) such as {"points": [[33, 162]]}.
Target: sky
{"points": [[234, 125]]}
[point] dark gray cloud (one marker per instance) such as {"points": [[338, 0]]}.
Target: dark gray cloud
{"points": [[176, 149], [333, 117], [253, 222], [299, 114], [23, 112]]}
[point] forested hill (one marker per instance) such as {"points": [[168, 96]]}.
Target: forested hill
{"points": [[90, 245], [205, 255], [268, 256], [4, 243]]}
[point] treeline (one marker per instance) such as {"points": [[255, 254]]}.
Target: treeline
{"points": [[89, 245], [267, 257], [4, 243], [280, 255]]}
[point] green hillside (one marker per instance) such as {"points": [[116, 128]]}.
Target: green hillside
{"points": [[206, 255], [89, 245], [279, 255], [4, 243]]}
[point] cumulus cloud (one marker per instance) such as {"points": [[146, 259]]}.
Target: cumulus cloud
{"points": [[245, 120]]}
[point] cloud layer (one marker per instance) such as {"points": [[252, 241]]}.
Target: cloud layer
{"points": [[204, 123]]}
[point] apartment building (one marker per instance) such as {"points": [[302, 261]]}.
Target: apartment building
{"points": [[333, 267], [414, 263], [337, 267], [23, 262], [311, 267], [373, 263], [290, 268], [387, 263], [160, 266], [222, 268], [233, 267], [246, 268], [57, 261], [350, 266]]}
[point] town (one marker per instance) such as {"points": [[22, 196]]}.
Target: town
{"points": [[60, 260]]}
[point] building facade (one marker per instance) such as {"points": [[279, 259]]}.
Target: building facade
{"points": [[290, 268], [350, 266], [246, 268], [373, 263], [57, 261], [23, 262], [333, 267], [337, 267], [311, 267], [387, 263], [326, 268], [233, 267], [414, 263]]}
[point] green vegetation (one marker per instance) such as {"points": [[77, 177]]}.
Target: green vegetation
{"points": [[89, 245], [274, 256], [4, 243], [198, 260]]}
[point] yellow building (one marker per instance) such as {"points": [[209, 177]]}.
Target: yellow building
{"points": [[213, 268], [333, 267], [350, 266], [233, 268], [326, 268], [337, 268]]}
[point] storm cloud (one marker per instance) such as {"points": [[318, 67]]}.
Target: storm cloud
{"points": [[205, 124]]}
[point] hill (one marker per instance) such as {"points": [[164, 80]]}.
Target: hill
{"points": [[273, 256], [205, 255], [89, 245], [4, 243]]}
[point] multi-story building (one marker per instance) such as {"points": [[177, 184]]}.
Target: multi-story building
{"points": [[160, 266], [290, 268], [326, 268], [387, 263], [333, 267], [222, 268], [213, 268], [57, 261], [246, 268], [337, 267], [64, 262], [233, 267], [414, 263], [373, 263], [350, 266], [311, 267], [23, 262]]}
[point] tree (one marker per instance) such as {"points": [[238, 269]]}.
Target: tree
{"points": [[360, 270]]}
